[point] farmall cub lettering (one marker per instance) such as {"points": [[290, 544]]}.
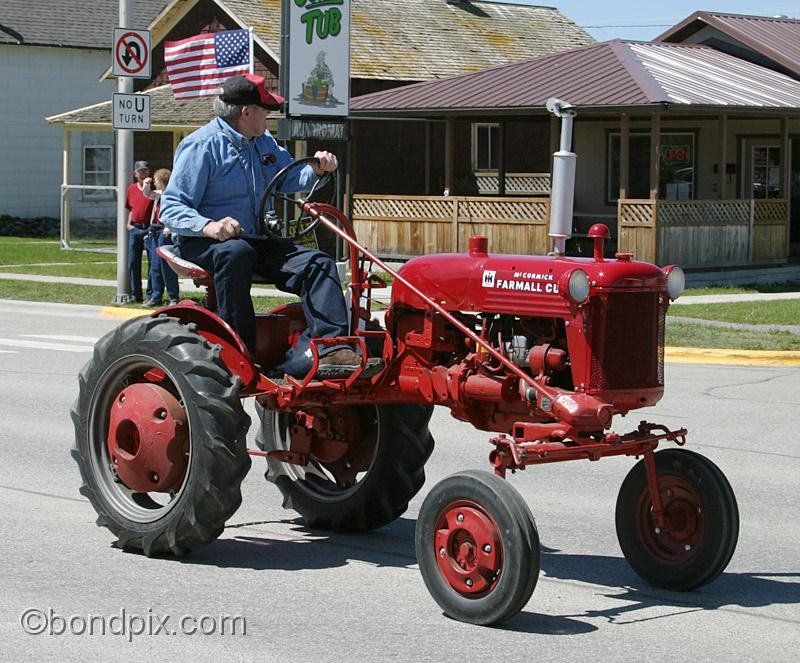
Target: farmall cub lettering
{"points": [[543, 352]]}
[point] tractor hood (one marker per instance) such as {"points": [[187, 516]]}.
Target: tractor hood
{"points": [[525, 285]]}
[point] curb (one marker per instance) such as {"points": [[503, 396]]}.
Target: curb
{"points": [[732, 357]]}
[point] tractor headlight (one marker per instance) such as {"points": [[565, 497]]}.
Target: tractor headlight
{"points": [[676, 281], [578, 286]]}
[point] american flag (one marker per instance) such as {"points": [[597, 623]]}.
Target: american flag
{"points": [[196, 66]]}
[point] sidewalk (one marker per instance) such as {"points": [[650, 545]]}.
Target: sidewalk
{"points": [[679, 355]]}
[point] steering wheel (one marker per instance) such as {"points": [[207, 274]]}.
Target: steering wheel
{"points": [[271, 224]]}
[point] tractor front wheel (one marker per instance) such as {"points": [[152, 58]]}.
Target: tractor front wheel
{"points": [[701, 521], [160, 436], [477, 548]]}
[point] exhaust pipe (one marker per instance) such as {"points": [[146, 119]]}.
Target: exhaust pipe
{"points": [[562, 188]]}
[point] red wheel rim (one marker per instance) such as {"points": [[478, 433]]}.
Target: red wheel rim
{"points": [[148, 438], [682, 535], [468, 548]]}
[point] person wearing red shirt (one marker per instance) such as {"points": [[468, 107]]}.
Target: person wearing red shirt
{"points": [[140, 209]]}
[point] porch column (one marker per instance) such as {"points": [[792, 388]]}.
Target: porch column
{"points": [[624, 154], [655, 161], [449, 123], [501, 158], [427, 158], [723, 157], [785, 177], [65, 193]]}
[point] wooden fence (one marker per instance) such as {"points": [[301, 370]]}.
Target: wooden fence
{"points": [[405, 226], [704, 233]]}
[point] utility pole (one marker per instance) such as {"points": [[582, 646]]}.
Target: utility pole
{"points": [[124, 166]]}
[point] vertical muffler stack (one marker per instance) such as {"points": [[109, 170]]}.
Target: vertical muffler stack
{"points": [[562, 189]]}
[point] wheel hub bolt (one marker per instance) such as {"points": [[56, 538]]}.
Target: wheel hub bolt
{"points": [[687, 547], [469, 582], [162, 414], [442, 552], [658, 530], [460, 517], [487, 548]]}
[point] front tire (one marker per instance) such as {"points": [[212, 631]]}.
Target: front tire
{"points": [[702, 525], [478, 548], [160, 436], [362, 474]]}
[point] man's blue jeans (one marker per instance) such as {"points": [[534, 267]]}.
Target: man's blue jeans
{"points": [[308, 273], [135, 249]]}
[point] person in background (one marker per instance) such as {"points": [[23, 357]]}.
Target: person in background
{"points": [[140, 209], [161, 274], [219, 175]]}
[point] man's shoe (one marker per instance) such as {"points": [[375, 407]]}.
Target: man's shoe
{"points": [[343, 363], [342, 357], [151, 303], [172, 302]]}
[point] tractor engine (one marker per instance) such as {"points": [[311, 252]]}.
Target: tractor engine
{"points": [[587, 335]]}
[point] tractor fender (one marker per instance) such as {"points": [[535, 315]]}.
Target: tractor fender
{"points": [[217, 332]]}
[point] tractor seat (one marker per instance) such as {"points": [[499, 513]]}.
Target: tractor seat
{"points": [[189, 270]]}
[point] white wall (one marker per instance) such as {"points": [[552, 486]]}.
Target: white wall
{"points": [[36, 82]]}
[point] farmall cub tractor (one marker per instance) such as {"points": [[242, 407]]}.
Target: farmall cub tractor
{"points": [[542, 352]]}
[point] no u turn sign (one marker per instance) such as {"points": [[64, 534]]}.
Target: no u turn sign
{"points": [[131, 53]]}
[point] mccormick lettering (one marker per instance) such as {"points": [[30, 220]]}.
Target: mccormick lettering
{"points": [[533, 275]]}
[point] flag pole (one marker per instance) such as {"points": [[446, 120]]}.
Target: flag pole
{"points": [[252, 60]]}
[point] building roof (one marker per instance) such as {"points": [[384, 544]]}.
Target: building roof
{"points": [[68, 23], [414, 40], [778, 39], [417, 40], [614, 74], [165, 111]]}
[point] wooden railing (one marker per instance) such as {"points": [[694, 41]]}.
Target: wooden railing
{"points": [[405, 226], [517, 184], [704, 233]]}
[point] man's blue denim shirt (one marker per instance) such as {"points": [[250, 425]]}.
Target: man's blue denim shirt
{"points": [[218, 172]]}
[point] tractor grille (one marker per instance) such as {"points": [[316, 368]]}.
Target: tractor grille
{"points": [[628, 342]]}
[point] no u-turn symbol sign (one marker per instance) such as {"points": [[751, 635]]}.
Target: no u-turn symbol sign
{"points": [[131, 53]]}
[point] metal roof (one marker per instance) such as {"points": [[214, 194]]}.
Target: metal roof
{"points": [[68, 23], [776, 38], [416, 40], [610, 74]]}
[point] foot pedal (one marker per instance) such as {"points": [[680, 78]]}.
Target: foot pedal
{"points": [[334, 371]]}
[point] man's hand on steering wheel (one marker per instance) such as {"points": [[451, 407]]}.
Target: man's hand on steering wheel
{"points": [[326, 163]]}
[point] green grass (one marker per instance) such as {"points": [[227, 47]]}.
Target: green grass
{"points": [[688, 335], [91, 270], [27, 251], [777, 312], [742, 289]]}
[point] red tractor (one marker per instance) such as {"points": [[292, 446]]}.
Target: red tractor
{"points": [[540, 351]]}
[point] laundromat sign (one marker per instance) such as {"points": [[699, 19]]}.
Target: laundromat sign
{"points": [[319, 57]]}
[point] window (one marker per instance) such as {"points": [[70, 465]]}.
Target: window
{"points": [[98, 168], [485, 146], [677, 171], [766, 171]]}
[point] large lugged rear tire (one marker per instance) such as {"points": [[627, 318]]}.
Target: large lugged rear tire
{"points": [[160, 436], [702, 521], [361, 481]]}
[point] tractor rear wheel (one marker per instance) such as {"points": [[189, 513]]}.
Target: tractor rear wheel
{"points": [[160, 436], [477, 548], [702, 521], [362, 470]]}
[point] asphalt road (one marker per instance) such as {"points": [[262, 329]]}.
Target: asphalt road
{"points": [[310, 596]]}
